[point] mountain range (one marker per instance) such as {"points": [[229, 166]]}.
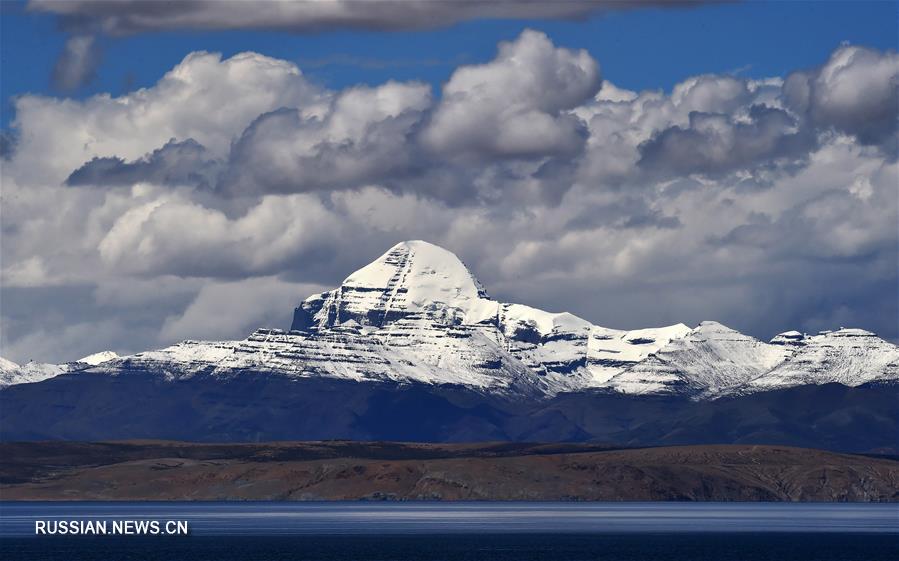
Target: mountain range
{"points": [[415, 329], [12, 373]]}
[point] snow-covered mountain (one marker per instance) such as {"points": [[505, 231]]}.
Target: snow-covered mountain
{"points": [[710, 360], [848, 356], [30, 372], [12, 373], [418, 315]]}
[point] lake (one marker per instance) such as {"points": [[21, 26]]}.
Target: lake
{"points": [[462, 531]]}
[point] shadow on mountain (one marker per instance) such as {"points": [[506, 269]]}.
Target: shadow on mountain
{"points": [[255, 407]]}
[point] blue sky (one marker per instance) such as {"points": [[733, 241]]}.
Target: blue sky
{"points": [[639, 49]]}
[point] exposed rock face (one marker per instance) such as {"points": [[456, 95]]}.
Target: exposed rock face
{"points": [[424, 285], [412, 349]]}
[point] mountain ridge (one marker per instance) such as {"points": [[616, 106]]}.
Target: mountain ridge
{"points": [[417, 314]]}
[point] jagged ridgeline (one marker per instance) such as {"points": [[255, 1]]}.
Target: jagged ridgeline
{"points": [[411, 346]]}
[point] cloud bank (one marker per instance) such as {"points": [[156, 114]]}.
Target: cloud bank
{"points": [[237, 187]]}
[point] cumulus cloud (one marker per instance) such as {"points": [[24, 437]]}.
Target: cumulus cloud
{"points": [[203, 98], [364, 136], [284, 135], [713, 143], [174, 235], [856, 92], [516, 105], [847, 219], [176, 163], [7, 144], [146, 213]]}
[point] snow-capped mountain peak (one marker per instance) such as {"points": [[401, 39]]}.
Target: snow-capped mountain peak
{"points": [[411, 277], [428, 272], [98, 358]]}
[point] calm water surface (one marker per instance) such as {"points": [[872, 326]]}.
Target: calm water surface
{"points": [[466, 531]]}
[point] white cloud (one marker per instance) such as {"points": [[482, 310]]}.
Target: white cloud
{"points": [[173, 235], [855, 92], [515, 105], [232, 310], [203, 98], [520, 166], [364, 136]]}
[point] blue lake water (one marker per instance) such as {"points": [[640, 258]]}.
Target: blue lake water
{"points": [[465, 531]]}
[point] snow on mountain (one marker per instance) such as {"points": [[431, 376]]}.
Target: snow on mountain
{"points": [[708, 361], [417, 314], [851, 357], [7, 365], [412, 276], [98, 358], [419, 279], [790, 339], [552, 345], [611, 351], [12, 373], [412, 349]]}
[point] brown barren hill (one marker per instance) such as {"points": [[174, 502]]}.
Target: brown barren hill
{"points": [[344, 470]]}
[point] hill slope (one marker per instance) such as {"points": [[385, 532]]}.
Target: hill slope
{"points": [[397, 471]]}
